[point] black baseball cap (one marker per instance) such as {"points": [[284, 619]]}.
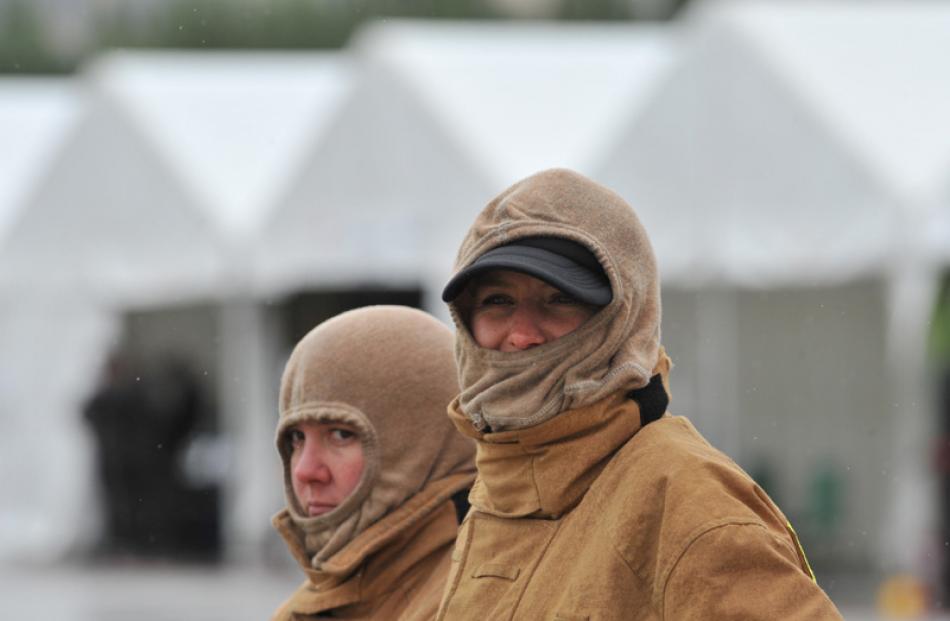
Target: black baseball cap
{"points": [[562, 263]]}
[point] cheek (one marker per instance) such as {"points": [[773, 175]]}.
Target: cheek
{"points": [[295, 482], [350, 469], [294, 461], [486, 331], [563, 326]]}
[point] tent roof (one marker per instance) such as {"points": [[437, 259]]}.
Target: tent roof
{"points": [[443, 116], [876, 72], [35, 117], [109, 218], [741, 167], [525, 96], [383, 185], [232, 126]]}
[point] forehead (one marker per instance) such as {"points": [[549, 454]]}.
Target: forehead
{"points": [[312, 425]]}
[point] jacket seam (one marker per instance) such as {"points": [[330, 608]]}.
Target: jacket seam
{"points": [[692, 538], [527, 580], [616, 550], [534, 477], [462, 562]]}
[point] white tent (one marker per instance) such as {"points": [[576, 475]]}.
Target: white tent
{"points": [[232, 126], [443, 116], [784, 170], [36, 118], [108, 217], [518, 98], [90, 222], [235, 128], [36, 115], [176, 161], [149, 200], [739, 178]]}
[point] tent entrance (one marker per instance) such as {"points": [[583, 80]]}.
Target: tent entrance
{"points": [[303, 311], [154, 421]]}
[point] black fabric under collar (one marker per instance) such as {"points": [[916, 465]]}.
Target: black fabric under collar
{"points": [[652, 400], [460, 500]]}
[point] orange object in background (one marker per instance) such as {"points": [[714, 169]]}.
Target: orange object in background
{"points": [[902, 597]]}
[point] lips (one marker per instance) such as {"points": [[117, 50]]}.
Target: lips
{"points": [[317, 508]]}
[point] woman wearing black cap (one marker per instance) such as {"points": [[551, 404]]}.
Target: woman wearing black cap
{"points": [[591, 501]]}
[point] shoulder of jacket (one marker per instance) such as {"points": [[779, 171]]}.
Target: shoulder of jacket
{"points": [[670, 455], [666, 485]]}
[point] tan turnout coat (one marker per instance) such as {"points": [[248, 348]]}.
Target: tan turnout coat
{"points": [[581, 511], [588, 516]]}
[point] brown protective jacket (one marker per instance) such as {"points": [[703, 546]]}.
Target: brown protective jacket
{"points": [[577, 511], [588, 516]]}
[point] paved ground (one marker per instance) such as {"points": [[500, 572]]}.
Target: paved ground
{"points": [[143, 593], [166, 592]]}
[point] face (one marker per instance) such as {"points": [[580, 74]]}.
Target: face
{"points": [[511, 311], [326, 462]]}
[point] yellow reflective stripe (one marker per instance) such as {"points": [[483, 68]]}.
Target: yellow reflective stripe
{"points": [[801, 551]]}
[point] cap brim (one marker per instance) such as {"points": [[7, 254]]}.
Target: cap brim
{"points": [[554, 269]]}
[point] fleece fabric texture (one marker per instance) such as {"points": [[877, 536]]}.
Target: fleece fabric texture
{"points": [[588, 516], [614, 350], [389, 372]]}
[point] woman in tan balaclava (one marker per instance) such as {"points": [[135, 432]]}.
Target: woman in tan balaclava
{"points": [[373, 469], [592, 502]]}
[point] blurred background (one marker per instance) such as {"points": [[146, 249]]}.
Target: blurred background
{"points": [[187, 187]]}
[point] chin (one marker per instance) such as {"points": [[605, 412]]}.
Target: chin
{"points": [[317, 510]]}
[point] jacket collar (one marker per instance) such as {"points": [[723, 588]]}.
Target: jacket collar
{"points": [[545, 470]]}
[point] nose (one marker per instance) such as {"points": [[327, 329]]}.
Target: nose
{"points": [[524, 331], [310, 466]]}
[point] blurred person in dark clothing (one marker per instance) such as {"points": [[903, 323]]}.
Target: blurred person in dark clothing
{"points": [[141, 420], [112, 412]]}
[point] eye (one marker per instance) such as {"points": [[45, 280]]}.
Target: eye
{"points": [[495, 299], [564, 298], [342, 435], [295, 438]]}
